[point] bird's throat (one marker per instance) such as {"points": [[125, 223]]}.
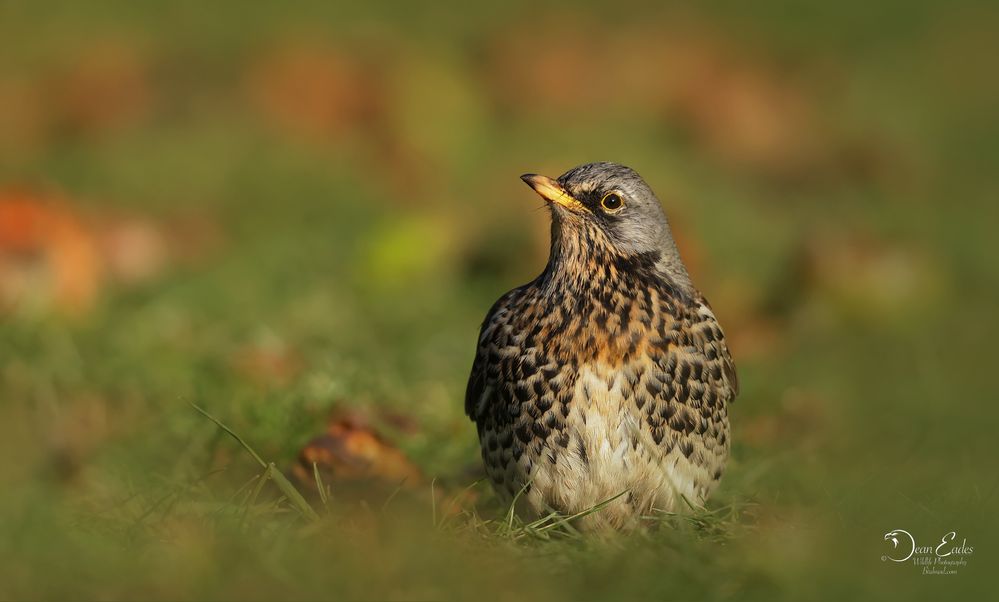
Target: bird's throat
{"points": [[583, 261]]}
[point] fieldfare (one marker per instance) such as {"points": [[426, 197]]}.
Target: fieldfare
{"points": [[607, 377]]}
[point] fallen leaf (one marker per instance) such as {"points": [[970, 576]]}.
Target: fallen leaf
{"points": [[739, 102], [571, 73], [48, 256], [268, 362], [105, 87], [134, 249], [55, 256], [352, 451], [316, 91]]}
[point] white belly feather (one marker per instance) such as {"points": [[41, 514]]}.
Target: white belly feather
{"points": [[609, 455]]}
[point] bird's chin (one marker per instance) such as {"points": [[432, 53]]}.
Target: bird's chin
{"points": [[567, 215]]}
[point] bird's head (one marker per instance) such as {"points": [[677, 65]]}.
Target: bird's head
{"points": [[605, 212]]}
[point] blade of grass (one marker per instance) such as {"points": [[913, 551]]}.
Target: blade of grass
{"points": [[270, 470], [232, 434], [293, 495], [392, 495], [319, 485], [453, 505], [563, 520], [511, 512], [252, 499], [433, 500]]}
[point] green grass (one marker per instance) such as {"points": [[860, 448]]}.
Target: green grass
{"points": [[867, 391]]}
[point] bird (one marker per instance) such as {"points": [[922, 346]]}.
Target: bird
{"points": [[600, 389]]}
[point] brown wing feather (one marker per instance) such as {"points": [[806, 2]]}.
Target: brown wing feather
{"points": [[478, 379], [683, 387]]}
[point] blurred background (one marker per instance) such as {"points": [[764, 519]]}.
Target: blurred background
{"points": [[296, 217]]}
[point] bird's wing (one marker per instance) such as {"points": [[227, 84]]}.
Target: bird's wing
{"points": [[684, 385], [478, 388], [708, 336]]}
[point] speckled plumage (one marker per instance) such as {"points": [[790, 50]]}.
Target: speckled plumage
{"points": [[608, 374]]}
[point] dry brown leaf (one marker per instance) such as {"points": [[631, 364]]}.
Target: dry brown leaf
{"points": [[134, 249], [316, 91], [572, 72], [107, 86], [733, 98], [47, 254], [351, 450], [349, 95], [53, 256]]}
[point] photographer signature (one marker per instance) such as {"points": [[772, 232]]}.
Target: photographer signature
{"points": [[904, 547]]}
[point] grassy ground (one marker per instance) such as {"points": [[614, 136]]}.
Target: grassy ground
{"points": [[832, 185]]}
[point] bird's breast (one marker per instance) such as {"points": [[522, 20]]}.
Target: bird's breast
{"points": [[604, 326], [610, 450]]}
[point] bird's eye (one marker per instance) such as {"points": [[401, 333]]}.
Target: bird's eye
{"points": [[611, 202]]}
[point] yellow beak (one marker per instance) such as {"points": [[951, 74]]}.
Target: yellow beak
{"points": [[551, 191]]}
